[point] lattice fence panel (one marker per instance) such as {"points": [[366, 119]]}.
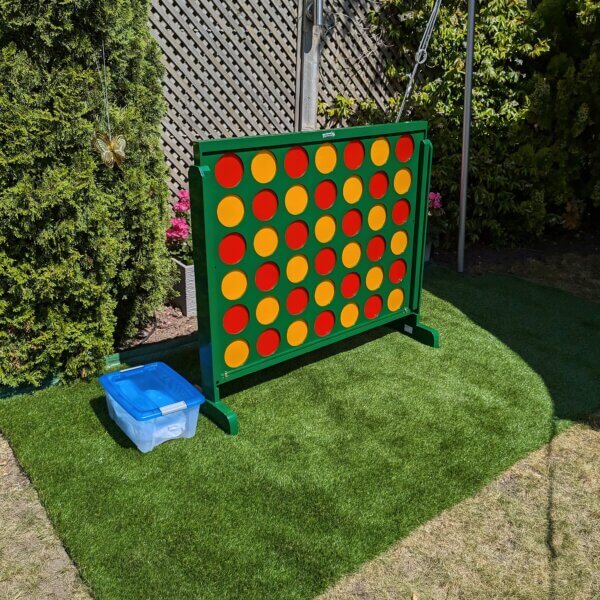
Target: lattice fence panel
{"points": [[354, 57], [231, 68]]}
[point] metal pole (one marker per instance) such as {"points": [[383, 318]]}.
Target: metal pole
{"points": [[311, 56], [464, 168], [318, 13]]}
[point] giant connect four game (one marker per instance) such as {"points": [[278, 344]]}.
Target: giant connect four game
{"points": [[303, 239]]}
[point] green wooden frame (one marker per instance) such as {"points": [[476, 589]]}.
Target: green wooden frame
{"points": [[207, 231]]}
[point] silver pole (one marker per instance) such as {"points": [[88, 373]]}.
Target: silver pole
{"points": [[466, 137], [309, 71], [318, 13]]}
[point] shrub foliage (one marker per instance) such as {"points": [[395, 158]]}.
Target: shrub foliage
{"points": [[82, 250], [534, 136], [564, 115]]}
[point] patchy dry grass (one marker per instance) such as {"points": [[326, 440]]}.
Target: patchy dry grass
{"points": [[533, 533], [33, 563]]}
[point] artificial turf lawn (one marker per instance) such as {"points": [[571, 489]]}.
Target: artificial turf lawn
{"points": [[338, 456]]}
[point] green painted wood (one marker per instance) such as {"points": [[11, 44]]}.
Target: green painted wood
{"points": [[207, 192]]}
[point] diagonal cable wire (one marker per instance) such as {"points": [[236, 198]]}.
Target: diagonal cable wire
{"points": [[420, 56]]}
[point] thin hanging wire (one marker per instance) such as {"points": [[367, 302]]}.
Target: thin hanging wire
{"points": [[420, 56], [105, 89]]}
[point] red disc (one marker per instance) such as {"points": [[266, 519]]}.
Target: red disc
{"points": [[229, 170], [324, 323], [325, 194], [296, 235], [297, 301], [350, 285], [378, 185], [264, 205], [373, 306], [397, 271], [266, 276], [405, 148], [325, 261], [400, 212], [352, 222], [354, 154], [296, 162], [376, 248], [235, 319], [268, 341], [232, 248]]}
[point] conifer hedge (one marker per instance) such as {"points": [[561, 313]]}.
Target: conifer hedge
{"points": [[82, 252]]}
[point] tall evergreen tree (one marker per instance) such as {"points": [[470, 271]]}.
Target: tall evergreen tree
{"points": [[82, 251]]}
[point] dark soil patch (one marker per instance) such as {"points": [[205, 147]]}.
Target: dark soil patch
{"points": [[570, 265]]}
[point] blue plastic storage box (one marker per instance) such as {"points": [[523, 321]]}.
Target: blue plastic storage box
{"points": [[152, 404]]}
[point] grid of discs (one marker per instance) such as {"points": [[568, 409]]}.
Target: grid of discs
{"points": [[311, 240]]}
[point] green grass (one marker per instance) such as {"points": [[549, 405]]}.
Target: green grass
{"points": [[338, 456]]}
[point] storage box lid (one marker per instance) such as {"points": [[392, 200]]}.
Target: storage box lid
{"points": [[150, 391]]}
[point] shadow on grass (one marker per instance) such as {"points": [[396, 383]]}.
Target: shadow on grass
{"points": [[100, 409], [186, 363], [530, 319]]}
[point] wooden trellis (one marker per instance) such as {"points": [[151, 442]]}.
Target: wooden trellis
{"points": [[232, 67], [354, 57]]}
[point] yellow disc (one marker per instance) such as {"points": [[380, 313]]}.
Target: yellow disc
{"points": [[263, 166], [236, 354], [399, 242], [353, 189], [296, 199], [351, 255], [230, 211], [267, 310], [325, 158], [349, 315], [395, 299], [297, 332], [324, 293], [377, 217], [325, 229], [380, 152], [265, 241], [234, 285], [297, 268], [402, 181], [374, 278]]}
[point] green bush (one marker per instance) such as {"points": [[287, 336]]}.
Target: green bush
{"points": [[534, 135], [82, 250], [564, 115]]}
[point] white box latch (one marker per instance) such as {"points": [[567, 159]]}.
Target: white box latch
{"points": [[171, 408]]}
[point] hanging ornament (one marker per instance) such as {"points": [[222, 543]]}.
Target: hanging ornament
{"points": [[111, 149]]}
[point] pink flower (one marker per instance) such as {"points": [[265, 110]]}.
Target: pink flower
{"points": [[435, 200], [179, 230], [182, 205]]}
